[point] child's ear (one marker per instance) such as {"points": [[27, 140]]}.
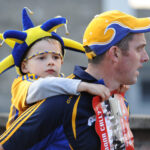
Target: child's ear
{"points": [[24, 67]]}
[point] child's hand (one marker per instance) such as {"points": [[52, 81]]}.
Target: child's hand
{"points": [[123, 88], [95, 89]]}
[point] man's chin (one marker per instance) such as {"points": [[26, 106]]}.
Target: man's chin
{"points": [[133, 81], [130, 82]]}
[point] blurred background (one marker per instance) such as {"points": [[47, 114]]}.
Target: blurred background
{"points": [[78, 13]]}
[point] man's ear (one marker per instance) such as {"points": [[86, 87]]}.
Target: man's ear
{"points": [[24, 67], [114, 53]]}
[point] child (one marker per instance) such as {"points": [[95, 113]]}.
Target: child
{"points": [[40, 69], [38, 60]]}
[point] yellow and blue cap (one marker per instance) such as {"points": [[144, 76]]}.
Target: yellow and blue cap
{"points": [[108, 28]]}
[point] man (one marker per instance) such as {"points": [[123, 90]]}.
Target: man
{"points": [[115, 47]]}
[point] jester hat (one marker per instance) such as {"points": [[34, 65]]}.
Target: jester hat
{"points": [[20, 41], [108, 28]]}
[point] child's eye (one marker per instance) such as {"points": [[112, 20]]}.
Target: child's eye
{"points": [[56, 57], [41, 57]]}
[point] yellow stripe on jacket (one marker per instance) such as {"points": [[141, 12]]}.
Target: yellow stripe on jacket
{"points": [[18, 122], [19, 92]]}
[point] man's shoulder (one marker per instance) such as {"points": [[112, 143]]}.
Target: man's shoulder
{"points": [[59, 97], [63, 99]]}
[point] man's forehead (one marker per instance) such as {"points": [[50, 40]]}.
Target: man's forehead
{"points": [[140, 37], [138, 40]]}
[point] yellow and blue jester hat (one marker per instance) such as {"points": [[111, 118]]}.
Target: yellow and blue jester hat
{"points": [[20, 41]]}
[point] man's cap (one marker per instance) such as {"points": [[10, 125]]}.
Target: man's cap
{"points": [[108, 28], [20, 41]]}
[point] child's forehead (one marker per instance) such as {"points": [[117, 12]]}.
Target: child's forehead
{"points": [[48, 43], [45, 45], [53, 42]]}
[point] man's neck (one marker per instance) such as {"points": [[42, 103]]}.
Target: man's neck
{"points": [[103, 73]]}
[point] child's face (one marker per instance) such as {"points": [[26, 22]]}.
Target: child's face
{"points": [[45, 64]]}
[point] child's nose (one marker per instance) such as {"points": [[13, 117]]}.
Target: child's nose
{"points": [[50, 61]]}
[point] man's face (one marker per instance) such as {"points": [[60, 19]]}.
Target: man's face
{"points": [[130, 63], [44, 64]]}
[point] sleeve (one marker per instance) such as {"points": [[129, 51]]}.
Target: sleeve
{"points": [[51, 86]]}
